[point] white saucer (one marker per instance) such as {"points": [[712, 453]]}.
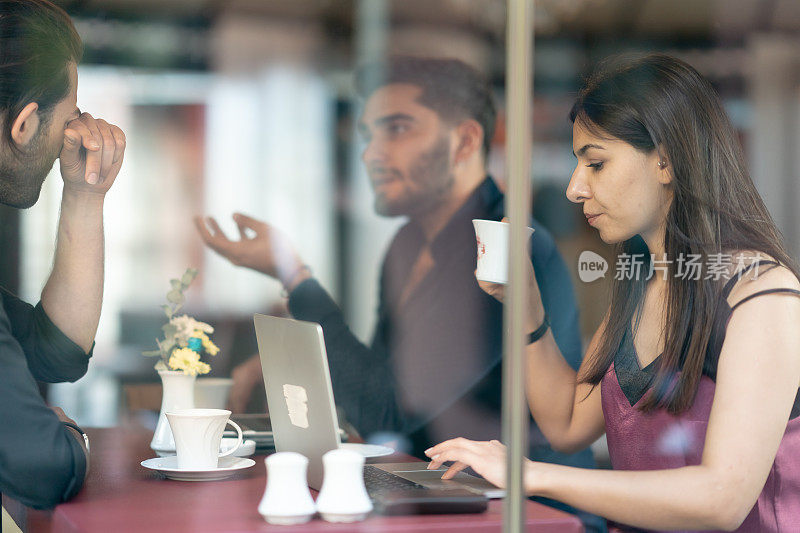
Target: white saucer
{"points": [[367, 450], [169, 467], [247, 448]]}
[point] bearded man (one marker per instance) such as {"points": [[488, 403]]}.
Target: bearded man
{"points": [[44, 456], [433, 370]]}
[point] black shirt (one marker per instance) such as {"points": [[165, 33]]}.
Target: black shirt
{"points": [[433, 370], [41, 462]]}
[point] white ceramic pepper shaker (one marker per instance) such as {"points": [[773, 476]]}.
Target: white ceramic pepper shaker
{"points": [[286, 500], [343, 497]]}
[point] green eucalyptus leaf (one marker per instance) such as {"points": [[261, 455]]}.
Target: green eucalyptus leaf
{"points": [[188, 276], [175, 297], [167, 310], [176, 284], [151, 353], [169, 331], [161, 365]]}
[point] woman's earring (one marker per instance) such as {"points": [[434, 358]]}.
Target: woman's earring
{"points": [[662, 164]]}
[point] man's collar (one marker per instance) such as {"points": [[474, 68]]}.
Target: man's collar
{"points": [[483, 202]]}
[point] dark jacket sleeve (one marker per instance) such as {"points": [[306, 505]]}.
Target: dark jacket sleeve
{"points": [[41, 462], [52, 357], [362, 380], [558, 295]]}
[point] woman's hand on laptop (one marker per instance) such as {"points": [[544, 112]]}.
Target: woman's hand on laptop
{"points": [[487, 458], [260, 247]]}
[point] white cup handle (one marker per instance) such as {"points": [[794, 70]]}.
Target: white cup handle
{"points": [[238, 439]]}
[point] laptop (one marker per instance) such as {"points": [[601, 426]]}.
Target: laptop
{"points": [[303, 413], [257, 427]]}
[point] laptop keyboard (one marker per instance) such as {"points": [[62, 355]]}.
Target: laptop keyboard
{"points": [[379, 481]]}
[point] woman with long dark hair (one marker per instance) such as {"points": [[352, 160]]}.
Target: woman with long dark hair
{"points": [[694, 372]]}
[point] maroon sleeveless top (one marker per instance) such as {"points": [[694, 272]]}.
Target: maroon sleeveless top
{"points": [[660, 440]]}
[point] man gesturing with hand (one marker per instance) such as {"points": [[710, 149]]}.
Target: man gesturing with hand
{"points": [[433, 369], [43, 453]]}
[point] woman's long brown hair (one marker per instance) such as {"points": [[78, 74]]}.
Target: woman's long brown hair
{"points": [[657, 102]]}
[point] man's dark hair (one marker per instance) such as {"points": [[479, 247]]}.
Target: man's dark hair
{"points": [[451, 88], [37, 41]]}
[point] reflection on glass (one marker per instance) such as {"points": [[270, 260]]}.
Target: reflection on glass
{"points": [[371, 182]]}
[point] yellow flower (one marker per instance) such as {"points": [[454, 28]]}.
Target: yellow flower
{"points": [[188, 361], [202, 368], [208, 345]]}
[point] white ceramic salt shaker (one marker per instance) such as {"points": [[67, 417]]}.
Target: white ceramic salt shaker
{"points": [[343, 497], [286, 500]]}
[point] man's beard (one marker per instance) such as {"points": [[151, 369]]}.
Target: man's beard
{"points": [[22, 174], [432, 172]]}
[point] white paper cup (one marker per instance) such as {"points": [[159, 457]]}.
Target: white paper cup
{"points": [[198, 433], [492, 240]]}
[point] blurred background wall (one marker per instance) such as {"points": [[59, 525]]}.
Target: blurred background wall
{"points": [[248, 105]]}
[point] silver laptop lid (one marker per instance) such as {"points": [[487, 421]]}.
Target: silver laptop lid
{"points": [[299, 393]]}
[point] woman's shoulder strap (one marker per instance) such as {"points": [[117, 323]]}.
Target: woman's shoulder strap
{"points": [[726, 291], [784, 290]]}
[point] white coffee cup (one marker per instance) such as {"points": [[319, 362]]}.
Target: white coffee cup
{"points": [[198, 433], [492, 240]]}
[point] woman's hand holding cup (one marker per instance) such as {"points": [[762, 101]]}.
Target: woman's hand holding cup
{"points": [[493, 248]]}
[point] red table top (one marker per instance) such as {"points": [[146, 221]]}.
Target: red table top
{"points": [[121, 496]]}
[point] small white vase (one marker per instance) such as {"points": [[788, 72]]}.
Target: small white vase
{"points": [[178, 394]]}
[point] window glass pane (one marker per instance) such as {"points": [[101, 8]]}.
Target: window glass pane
{"points": [[368, 134]]}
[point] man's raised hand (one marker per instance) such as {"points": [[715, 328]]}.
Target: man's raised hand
{"points": [[92, 154], [267, 250]]}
